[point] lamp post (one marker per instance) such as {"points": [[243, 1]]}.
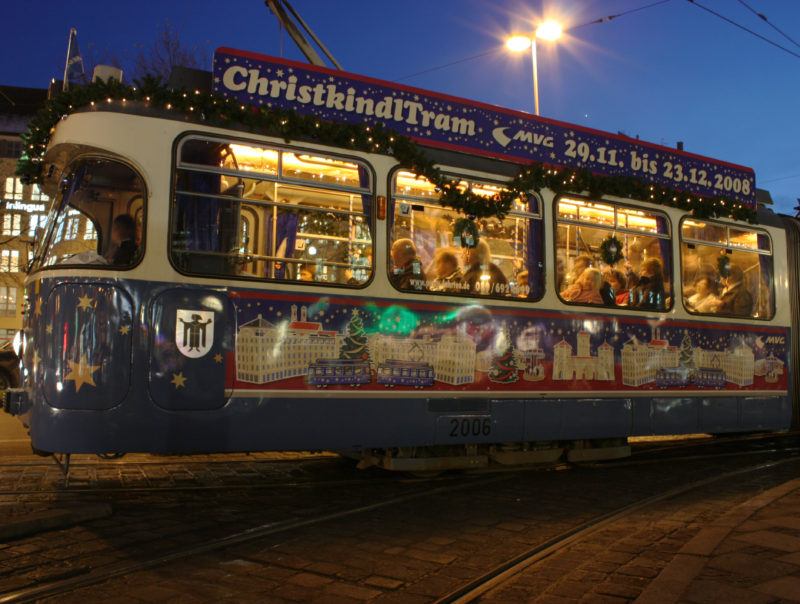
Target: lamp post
{"points": [[548, 30]]}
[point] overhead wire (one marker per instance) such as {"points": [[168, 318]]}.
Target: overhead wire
{"points": [[744, 28], [605, 19], [766, 20]]}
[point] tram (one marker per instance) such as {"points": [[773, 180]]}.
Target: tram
{"points": [[197, 282]]}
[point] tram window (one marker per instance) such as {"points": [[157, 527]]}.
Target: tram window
{"points": [[92, 224], [255, 212], [424, 255], [640, 279], [726, 270]]}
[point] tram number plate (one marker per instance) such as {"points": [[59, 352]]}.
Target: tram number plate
{"points": [[464, 427]]}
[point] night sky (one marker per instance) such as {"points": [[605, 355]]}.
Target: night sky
{"points": [[668, 73]]}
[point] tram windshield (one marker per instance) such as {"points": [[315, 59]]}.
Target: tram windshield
{"points": [[612, 255], [256, 212], [425, 256], [726, 270], [98, 221]]}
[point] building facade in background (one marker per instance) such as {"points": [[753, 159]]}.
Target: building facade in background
{"points": [[22, 207]]}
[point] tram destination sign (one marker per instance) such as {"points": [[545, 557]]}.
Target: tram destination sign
{"points": [[448, 122]]}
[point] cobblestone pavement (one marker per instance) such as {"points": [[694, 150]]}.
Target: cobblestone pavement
{"points": [[415, 550]]}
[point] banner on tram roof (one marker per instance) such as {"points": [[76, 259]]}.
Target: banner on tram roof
{"points": [[448, 122]]}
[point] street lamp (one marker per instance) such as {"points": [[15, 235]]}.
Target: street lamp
{"points": [[547, 30]]}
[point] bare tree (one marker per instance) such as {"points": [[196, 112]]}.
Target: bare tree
{"points": [[166, 52]]}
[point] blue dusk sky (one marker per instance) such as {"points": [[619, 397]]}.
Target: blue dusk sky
{"points": [[667, 73]]}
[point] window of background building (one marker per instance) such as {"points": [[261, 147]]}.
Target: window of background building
{"points": [[262, 213], [13, 188], [35, 220], [727, 270], [9, 261], [12, 223], [10, 148], [641, 280], [38, 195], [8, 301], [424, 255]]}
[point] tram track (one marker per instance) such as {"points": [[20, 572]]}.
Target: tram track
{"points": [[100, 574], [449, 484], [505, 572]]}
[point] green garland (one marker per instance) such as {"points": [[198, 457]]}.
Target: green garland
{"points": [[218, 111], [611, 250]]}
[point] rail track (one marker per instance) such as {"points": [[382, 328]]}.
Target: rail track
{"points": [[433, 486], [505, 572]]}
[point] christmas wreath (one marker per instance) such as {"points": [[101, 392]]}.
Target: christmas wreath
{"points": [[465, 232], [224, 112], [611, 250]]}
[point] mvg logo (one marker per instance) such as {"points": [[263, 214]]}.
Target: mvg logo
{"points": [[776, 339], [525, 136]]}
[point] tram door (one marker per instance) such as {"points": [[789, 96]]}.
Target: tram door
{"points": [[190, 348]]}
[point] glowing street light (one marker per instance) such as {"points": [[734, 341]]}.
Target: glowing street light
{"points": [[547, 30]]}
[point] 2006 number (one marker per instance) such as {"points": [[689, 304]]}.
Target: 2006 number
{"points": [[466, 426]]}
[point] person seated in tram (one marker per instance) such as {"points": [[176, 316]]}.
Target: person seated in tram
{"points": [[703, 299], [481, 274], [580, 264], [650, 293], [523, 287], [407, 270], [587, 289], [444, 271], [123, 244], [305, 272], [735, 299], [618, 283]]}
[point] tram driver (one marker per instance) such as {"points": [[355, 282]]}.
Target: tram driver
{"points": [[123, 241]]}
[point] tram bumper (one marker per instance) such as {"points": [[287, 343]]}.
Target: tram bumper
{"points": [[16, 401]]}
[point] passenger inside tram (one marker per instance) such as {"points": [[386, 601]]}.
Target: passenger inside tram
{"points": [[586, 289], [444, 271], [123, 239], [406, 270], [650, 293], [704, 298], [618, 284], [735, 298], [481, 275]]}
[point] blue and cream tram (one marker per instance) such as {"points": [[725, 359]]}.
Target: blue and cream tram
{"points": [[196, 282], [393, 373]]}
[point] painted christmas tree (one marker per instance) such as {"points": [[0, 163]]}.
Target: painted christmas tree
{"points": [[354, 345], [686, 352], [504, 366]]}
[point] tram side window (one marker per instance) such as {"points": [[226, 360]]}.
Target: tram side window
{"points": [[92, 224], [641, 276], [425, 256], [255, 212], [726, 270]]}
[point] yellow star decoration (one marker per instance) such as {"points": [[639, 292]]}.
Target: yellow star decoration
{"points": [[38, 310], [49, 329], [125, 330], [218, 358], [81, 373], [85, 302], [179, 380]]}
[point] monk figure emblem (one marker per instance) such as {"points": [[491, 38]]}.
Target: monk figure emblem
{"points": [[194, 332]]}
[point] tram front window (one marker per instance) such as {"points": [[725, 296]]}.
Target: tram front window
{"points": [[260, 213], [93, 224], [612, 255]]}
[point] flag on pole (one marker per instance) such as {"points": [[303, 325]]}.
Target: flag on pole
{"points": [[73, 70]]}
